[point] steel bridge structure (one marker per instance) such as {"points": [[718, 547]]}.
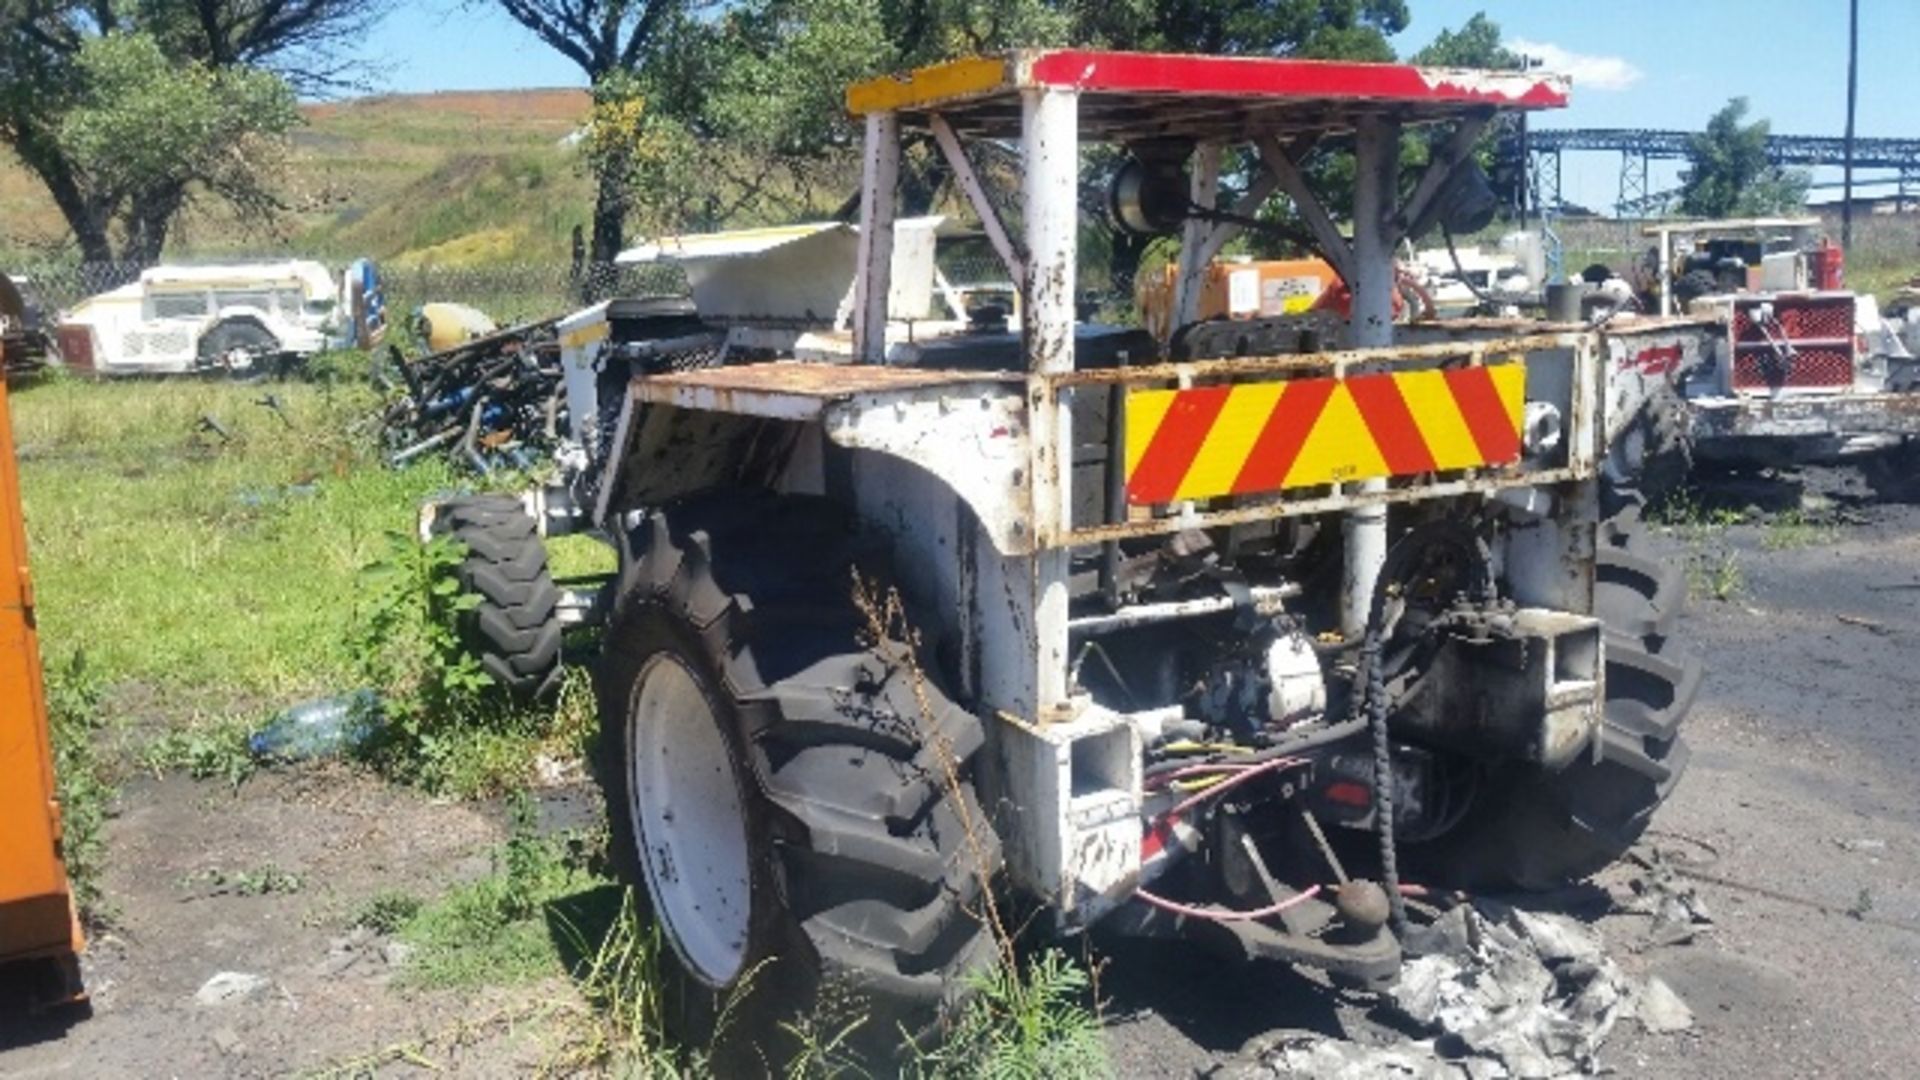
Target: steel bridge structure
{"points": [[1640, 147]]}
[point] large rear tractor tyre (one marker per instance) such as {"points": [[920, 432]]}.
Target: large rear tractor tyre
{"points": [[1534, 829], [515, 629], [1894, 474], [792, 800]]}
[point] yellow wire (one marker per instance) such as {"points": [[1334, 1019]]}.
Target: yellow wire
{"points": [[1185, 746], [1199, 785]]}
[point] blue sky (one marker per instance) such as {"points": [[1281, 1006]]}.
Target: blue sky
{"points": [[1637, 63]]}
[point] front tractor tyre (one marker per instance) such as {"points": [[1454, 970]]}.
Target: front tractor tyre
{"points": [[514, 630], [791, 798]]}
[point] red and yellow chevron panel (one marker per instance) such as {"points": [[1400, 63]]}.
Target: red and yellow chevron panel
{"points": [[1244, 438]]}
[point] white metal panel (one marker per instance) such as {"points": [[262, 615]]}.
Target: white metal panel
{"points": [[879, 195]]}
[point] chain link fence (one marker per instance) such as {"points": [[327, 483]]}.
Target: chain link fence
{"points": [[520, 292], [507, 293]]}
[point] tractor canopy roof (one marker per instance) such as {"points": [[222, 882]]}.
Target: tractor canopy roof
{"points": [[1134, 96]]}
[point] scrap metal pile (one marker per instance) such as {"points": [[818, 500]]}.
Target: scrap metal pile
{"points": [[495, 402]]}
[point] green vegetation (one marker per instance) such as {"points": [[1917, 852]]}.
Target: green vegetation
{"points": [[1026, 1020], [1715, 571], [545, 911], [1713, 566], [388, 911], [86, 793], [205, 750], [261, 881], [1791, 530], [447, 727], [1731, 176], [495, 931], [207, 575]]}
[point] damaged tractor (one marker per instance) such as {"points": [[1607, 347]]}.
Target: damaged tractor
{"points": [[912, 616]]}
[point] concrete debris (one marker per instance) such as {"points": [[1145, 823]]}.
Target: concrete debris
{"points": [[227, 987], [1678, 912], [1660, 1010], [227, 1041], [1295, 1053], [1498, 993], [397, 954], [1860, 844], [362, 952]]}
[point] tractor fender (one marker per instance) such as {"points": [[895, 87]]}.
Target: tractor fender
{"points": [[972, 437]]}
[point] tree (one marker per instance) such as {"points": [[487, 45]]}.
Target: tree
{"points": [[1731, 175], [1316, 29], [144, 131], [607, 40], [126, 110], [1476, 44]]}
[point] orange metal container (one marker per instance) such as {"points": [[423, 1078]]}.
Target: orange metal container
{"points": [[1239, 290], [37, 921]]}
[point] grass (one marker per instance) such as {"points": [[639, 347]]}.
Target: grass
{"points": [[1713, 566], [213, 575], [266, 880], [85, 788], [545, 910], [1792, 530], [496, 931]]}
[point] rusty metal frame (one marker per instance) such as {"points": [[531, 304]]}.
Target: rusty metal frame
{"points": [[1805, 416], [975, 431]]}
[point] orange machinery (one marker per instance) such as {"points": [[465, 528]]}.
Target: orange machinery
{"points": [[1240, 289], [40, 939]]}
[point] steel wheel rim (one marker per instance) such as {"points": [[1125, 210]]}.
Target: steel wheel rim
{"points": [[689, 820]]}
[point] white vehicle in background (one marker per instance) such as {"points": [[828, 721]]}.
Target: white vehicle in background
{"points": [[241, 318], [1478, 276]]}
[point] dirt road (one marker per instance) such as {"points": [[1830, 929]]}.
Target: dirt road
{"points": [[1800, 816]]}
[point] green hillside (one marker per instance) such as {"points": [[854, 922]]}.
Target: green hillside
{"points": [[460, 178]]}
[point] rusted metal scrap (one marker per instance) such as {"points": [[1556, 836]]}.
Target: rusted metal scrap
{"points": [[494, 402]]}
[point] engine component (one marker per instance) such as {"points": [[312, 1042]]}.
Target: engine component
{"points": [[1541, 428], [1273, 684], [1466, 204], [1297, 687], [1148, 196]]}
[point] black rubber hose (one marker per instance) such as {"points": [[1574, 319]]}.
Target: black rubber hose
{"points": [[1375, 708]]}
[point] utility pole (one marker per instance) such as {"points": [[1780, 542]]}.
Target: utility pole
{"points": [[1853, 91]]}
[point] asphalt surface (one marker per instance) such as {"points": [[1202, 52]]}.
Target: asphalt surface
{"points": [[1798, 823]]}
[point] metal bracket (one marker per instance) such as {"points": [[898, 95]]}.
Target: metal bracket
{"points": [[976, 193]]}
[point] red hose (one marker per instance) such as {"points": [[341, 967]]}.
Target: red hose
{"points": [[1178, 908]]}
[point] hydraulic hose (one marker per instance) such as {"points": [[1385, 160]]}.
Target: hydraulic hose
{"points": [[1374, 707]]}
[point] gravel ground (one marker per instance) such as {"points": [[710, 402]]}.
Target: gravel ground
{"points": [[1799, 811]]}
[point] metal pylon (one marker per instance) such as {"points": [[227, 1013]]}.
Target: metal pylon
{"points": [[1634, 191], [1543, 178]]}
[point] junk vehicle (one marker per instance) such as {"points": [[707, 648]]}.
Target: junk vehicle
{"points": [[1801, 369], [40, 938], [245, 319], [23, 330], [1237, 650], [1691, 259]]}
